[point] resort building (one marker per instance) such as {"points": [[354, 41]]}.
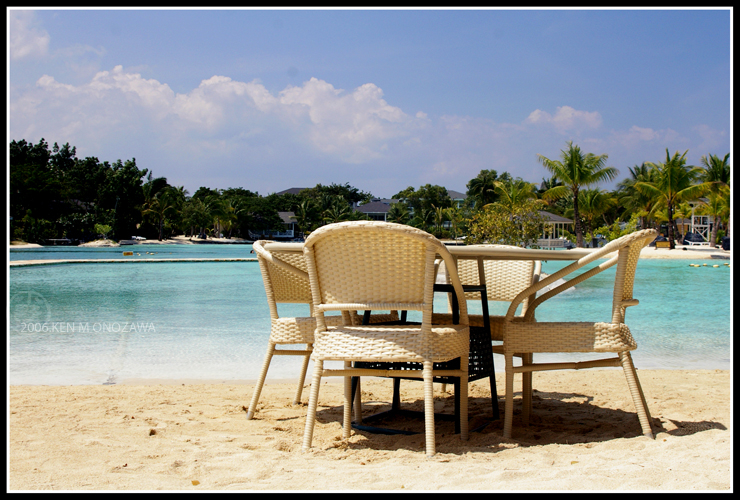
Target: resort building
{"points": [[377, 209], [553, 232]]}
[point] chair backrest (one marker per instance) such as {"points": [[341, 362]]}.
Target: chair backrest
{"points": [[284, 275], [505, 279], [628, 250], [372, 265]]}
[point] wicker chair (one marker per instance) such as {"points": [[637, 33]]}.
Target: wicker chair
{"points": [[613, 336], [504, 280], [286, 281], [369, 265]]}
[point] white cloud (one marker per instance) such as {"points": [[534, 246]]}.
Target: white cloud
{"points": [[348, 126], [566, 119], [711, 138], [26, 37]]}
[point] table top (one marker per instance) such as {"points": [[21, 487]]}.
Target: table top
{"points": [[476, 252]]}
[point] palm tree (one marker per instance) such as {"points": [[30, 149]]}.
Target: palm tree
{"points": [[164, 203], [439, 216], [398, 213], [633, 200], [456, 216], [305, 214], [717, 173], [682, 211], [482, 188], [338, 211], [575, 171], [674, 183], [217, 210], [514, 192], [594, 203]]}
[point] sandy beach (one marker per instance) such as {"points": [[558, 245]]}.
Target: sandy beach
{"points": [[583, 436], [148, 435]]}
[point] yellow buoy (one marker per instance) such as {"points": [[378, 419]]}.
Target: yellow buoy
{"points": [[704, 264], [716, 265], [128, 253]]}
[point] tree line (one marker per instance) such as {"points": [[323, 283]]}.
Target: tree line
{"points": [[54, 194]]}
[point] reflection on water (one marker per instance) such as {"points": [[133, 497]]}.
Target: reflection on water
{"points": [[104, 323]]}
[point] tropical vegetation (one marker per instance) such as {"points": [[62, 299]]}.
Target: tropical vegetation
{"points": [[55, 194]]}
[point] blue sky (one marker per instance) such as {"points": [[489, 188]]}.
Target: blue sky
{"points": [[380, 99]]}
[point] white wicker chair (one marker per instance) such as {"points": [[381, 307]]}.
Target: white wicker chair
{"points": [[286, 281], [368, 265], [504, 280], [527, 337]]}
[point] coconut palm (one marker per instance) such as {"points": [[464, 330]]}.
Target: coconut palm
{"points": [[576, 170], [633, 200], [482, 188], [674, 183], [338, 211], [717, 173], [165, 203], [682, 211], [594, 203], [399, 213], [457, 217], [514, 192], [439, 216], [305, 215]]}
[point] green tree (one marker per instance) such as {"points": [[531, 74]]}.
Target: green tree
{"points": [[421, 202], [439, 216], [398, 213], [103, 229], [717, 174], [632, 199], [164, 204], [594, 203], [124, 195], [195, 215], [515, 191], [482, 188], [520, 225], [674, 183], [576, 170]]}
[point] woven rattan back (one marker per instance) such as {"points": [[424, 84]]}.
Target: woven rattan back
{"points": [[284, 275], [374, 265], [504, 278]]}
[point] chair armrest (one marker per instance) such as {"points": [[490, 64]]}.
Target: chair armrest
{"points": [[532, 290]]}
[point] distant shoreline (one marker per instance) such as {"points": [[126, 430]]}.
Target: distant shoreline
{"points": [[177, 240], [683, 252]]}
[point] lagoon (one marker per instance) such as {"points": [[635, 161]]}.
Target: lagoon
{"points": [[108, 323]]}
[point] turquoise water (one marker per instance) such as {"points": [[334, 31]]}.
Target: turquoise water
{"points": [[106, 323], [149, 251]]}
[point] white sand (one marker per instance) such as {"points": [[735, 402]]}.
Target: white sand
{"points": [[583, 435]]}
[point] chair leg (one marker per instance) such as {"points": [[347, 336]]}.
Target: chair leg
{"points": [[643, 414], [312, 403], [464, 399], [260, 380], [509, 408], [302, 378], [357, 399], [429, 408], [526, 389], [347, 414]]}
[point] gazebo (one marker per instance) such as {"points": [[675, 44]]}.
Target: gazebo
{"points": [[552, 234]]}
